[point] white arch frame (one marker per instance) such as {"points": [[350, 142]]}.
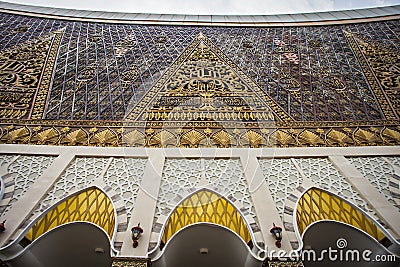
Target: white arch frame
{"points": [[156, 253], [300, 237], [13, 249]]}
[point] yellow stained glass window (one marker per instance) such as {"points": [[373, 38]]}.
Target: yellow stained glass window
{"points": [[91, 205], [316, 204], [206, 206]]}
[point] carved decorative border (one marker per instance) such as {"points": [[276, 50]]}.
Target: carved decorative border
{"points": [[45, 80], [382, 98], [130, 262], [203, 134]]}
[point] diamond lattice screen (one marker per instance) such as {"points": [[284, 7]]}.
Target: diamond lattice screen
{"points": [[316, 205], [206, 206], [91, 205]]}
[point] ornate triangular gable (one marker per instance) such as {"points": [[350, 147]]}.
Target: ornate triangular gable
{"points": [[204, 85], [25, 77], [381, 68]]}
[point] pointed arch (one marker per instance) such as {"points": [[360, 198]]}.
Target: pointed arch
{"points": [[90, 205], [316, 204], [206, 206]]}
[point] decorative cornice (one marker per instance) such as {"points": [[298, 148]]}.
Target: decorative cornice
{"points": [[206, 134], [303, 19]]}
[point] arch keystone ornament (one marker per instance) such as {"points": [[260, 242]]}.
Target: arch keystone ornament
{"points": [[130, 262]]}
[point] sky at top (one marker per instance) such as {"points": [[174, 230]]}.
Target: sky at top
{"points": [[211, 7]]}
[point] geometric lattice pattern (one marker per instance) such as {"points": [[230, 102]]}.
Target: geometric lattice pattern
{"points": [[226, 177], [394, 160], [206, 206], [322, 76], [103, 69], [124, 176], [380, 172], [5, 158], [282, 179], [287, 179], [90, 205], [112, 70], [7, 182], [316, 204], [80, 174], [25, 170], [183, 176], [179, 176], [324, 175]]}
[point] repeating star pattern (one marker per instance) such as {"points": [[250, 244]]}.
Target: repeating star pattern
{"points": [[124, 176], [282, 178], [378, 172], [25, 171]]}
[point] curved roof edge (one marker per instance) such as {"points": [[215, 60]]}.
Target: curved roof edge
{"points": [[303, 19]]}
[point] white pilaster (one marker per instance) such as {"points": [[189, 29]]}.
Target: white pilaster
{"points": [[264, 205], [378, 202], [22, 209], [145, 204]]}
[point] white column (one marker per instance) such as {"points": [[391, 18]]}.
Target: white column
{"points": [[145, 204], [264, 205], [22, 209], [379, 203]]}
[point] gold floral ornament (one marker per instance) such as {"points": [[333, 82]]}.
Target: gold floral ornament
{"points": [[252, 139], [310, 138], [49, 136], [365, 137], [192, 138], [105, 137], [130, 262], [74, 138], [335, 137], [134, 138], [281, 138], [222, 139], [163, 138], [390, 136], [15, 135]]}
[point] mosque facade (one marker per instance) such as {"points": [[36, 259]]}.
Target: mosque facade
{"points": [[169, 140]]}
